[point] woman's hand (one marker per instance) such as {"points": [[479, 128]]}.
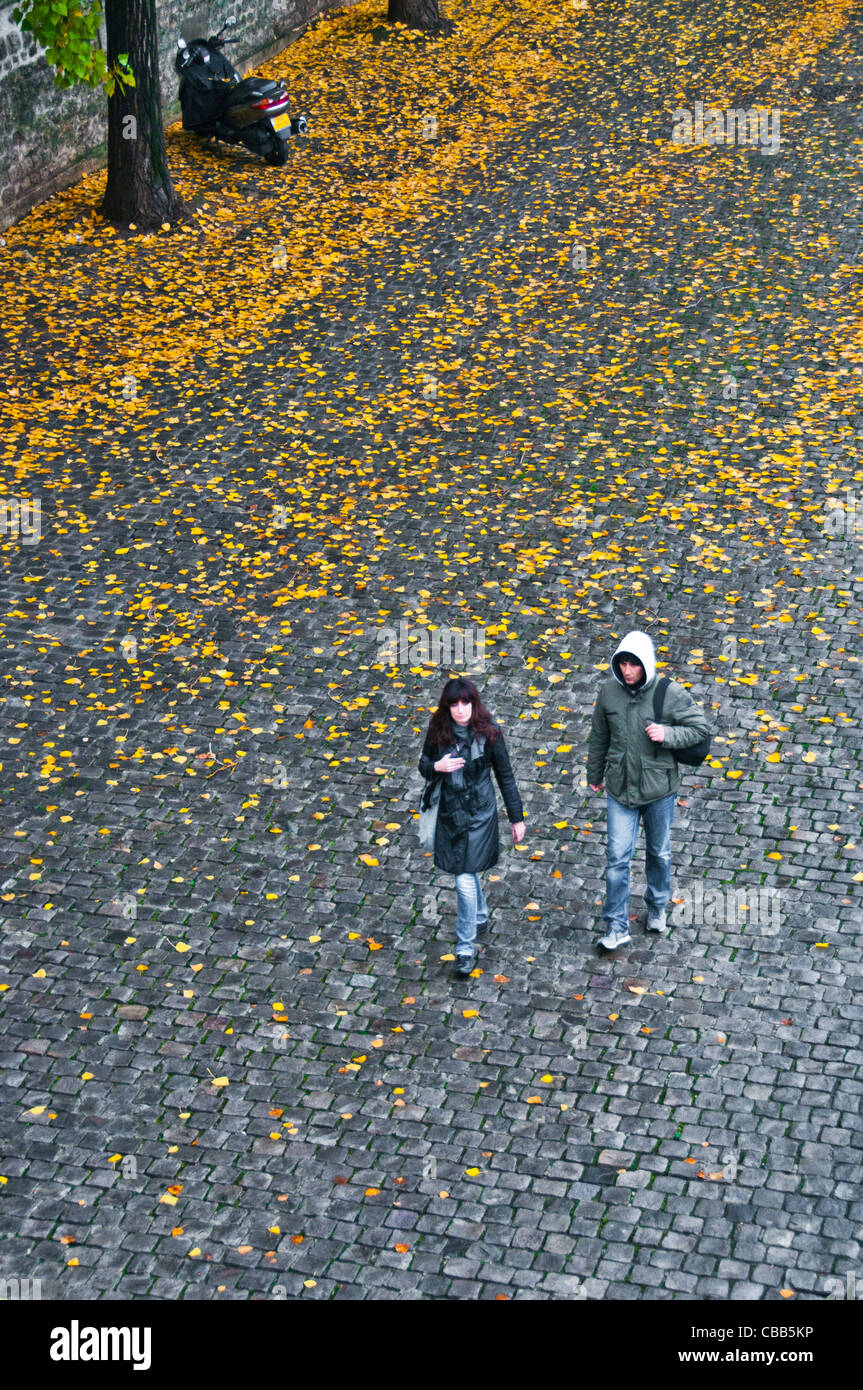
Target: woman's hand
{"points": [[450, 763], [518, 833]]}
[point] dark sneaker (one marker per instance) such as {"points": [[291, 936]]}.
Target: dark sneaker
{"points": [[615, 937], [463, 967], [482, 927]]}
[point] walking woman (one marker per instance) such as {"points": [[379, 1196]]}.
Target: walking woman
{"points": [[462, 746]]}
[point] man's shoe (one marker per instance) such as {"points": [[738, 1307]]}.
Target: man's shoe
{"points": [[616, 936], [657, 924], [482, 927], [463, 967]]}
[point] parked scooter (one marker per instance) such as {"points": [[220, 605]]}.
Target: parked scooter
{"points": [[217, 103]]}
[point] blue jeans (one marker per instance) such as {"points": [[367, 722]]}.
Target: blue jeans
{"points": [[658, 817], [472, 912]]}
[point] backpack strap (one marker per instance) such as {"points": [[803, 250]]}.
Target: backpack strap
{"points": [[659, 698]]}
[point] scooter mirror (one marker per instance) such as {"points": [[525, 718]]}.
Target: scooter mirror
{"points": [[181, 44], [232, 19]]}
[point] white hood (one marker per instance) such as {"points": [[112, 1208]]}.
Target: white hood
{"points": [[640, 645]]}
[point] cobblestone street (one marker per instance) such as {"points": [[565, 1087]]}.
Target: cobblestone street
{"points": [[594, 382]]}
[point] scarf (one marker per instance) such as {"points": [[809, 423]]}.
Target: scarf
{"points": [[467, 747]]}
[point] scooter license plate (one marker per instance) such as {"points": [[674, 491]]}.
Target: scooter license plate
{"points": [[279, 122]]}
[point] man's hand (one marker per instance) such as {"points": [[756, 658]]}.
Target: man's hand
{"points": [[518, 832], [656, 733], [449, 763], [597, 789]]}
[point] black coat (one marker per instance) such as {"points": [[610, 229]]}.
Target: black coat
{"points": [[466, 839]]}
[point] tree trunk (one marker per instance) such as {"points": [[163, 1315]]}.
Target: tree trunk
{"points": [[139, 185], [419, 14]]}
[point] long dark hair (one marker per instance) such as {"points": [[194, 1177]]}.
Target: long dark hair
{"points": [[480, 719]]}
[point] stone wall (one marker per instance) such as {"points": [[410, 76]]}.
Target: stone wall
{"points": [[53, 135]]}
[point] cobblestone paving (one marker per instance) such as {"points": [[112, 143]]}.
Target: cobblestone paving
{"points": [[680, 1121]]}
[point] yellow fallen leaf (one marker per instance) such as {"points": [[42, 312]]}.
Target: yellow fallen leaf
{"points": [[372, 1192], [470, 1013], [73, 1262], [809, 757], [181, 947], [787, 1293], [39, 975], [86, 1076], [472, 1172], [194, 1252], [220, 1081], [534, 1100], [168, 1200], [37, 1110], [612, 1017], [370, 860], [547, 1078], [310, 1283]]}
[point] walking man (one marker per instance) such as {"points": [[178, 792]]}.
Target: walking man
{"points": [[636, 757]]}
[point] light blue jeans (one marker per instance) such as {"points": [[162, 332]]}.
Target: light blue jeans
{"points": [[623, 821], [472, 912]]}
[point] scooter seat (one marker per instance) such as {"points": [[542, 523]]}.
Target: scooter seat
{"points": [[251, 89]]}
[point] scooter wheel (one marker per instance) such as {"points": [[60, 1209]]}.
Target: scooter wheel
{"points": [[278, 151]]}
